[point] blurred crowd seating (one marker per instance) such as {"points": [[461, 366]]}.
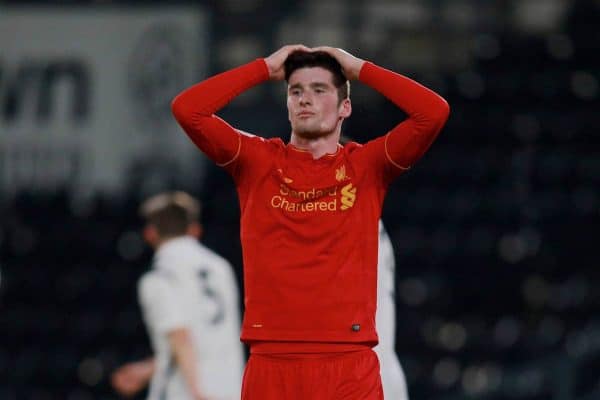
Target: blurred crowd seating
{"points": [[495, 230]]}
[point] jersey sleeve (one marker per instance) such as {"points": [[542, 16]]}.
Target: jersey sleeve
{"points": [[160, 303], [195, 108], [427, 113]]}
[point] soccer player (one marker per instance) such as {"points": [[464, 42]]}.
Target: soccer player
{"points": [[392, 375], [309, 216], [189, 302]]}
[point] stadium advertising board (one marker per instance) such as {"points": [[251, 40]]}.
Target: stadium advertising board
{"points": [[85, 95]]}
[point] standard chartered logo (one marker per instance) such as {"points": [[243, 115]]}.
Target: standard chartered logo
{"points": [[348, 196], [314, 199]]}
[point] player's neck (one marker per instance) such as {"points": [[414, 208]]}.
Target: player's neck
{"points": [[164, 240], [318, 147]]}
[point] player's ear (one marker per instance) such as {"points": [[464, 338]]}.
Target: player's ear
{"points": [[195, 230], [345, 108], [151, 235]]}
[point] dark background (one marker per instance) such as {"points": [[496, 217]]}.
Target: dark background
{"points": [[495, 229]]}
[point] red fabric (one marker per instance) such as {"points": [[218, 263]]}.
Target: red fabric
{"points": [[336, 376], [272, 347], [427, 112], [309, 228]]}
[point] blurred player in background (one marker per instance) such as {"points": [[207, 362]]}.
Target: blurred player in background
{"points": [[309, 216], [392, 376], [189, 301]]}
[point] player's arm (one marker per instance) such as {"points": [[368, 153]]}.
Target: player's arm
{"points": [[132, 377], [427, 111], [194, 108], [184, 354], [164, 314]]}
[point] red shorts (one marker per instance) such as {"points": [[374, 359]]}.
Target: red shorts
{"points": [[327, 376]]}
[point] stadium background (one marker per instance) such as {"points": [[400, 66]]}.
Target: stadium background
{"points": [[495, 229]]}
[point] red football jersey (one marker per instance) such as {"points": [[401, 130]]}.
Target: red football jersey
{"points": [[309, 227]]}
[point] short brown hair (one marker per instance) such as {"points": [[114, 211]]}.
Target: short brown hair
{"points": [[308, 59], [171, 213]]}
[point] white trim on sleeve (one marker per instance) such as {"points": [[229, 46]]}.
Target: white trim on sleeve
{"points": [[236, 154]]}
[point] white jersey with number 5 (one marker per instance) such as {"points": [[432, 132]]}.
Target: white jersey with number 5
{"points": [[392, 376], [192, 287]]}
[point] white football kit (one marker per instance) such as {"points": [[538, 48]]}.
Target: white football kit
{"points": [[392, 376], [190, 286]]}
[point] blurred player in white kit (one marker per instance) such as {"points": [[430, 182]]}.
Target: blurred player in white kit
{"points": [[392, 376], [189, 302]]}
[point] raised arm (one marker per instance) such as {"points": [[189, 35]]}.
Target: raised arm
{"points": [[427, 114], [194, 108], [427, 111]]}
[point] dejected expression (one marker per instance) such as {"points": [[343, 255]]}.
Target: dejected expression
{"points": [[314, 108]]}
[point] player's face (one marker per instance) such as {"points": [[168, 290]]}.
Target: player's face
{"points": [[314, 109]]}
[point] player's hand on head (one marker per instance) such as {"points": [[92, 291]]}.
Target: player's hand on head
{"points": [[351, 65], [275, 62]]}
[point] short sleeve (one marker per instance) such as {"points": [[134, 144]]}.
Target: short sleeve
{"points": [[161, 303]]}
